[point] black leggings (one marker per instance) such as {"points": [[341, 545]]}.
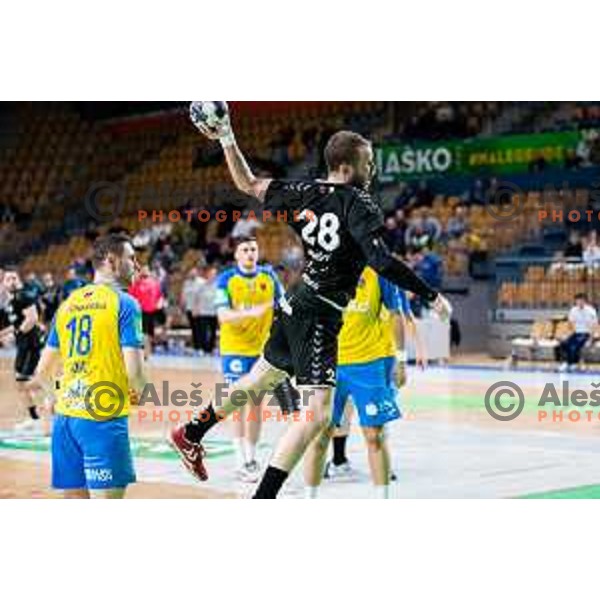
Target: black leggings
{"points": [[204, 332]]}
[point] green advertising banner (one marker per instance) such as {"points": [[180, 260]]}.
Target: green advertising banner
{"points": [[510, 154]]}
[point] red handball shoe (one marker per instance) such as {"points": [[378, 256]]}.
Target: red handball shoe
{"points": [[192, 453]]}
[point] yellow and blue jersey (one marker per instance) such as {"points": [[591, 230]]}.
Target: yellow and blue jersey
{"points": [[239, 290], [368, 333], [90, 329]]}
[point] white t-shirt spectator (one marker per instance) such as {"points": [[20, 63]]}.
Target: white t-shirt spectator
{"points": [[199, 297], [206, 300], [591, 255], [583, 319], [191, 289]]}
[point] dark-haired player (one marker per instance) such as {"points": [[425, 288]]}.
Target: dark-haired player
{"points": [[340, 226], [23, 319], [97, 339], [246, 296]]}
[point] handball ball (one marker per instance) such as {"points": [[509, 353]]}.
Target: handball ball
{"points": [[209, 116]]}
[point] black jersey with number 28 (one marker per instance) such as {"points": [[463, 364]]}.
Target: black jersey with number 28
{"points": [[340, 227]]}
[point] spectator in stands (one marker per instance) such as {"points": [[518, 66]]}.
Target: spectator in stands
{"points": [[574, 248], [142, 239], [405, 195], [50, 298], [208, 311], [401, 227], [190, 293], [591, 252], [84, 268], [393, 235], [71, 283], [583, 149], [7, 214], [583, 319], [424, 230], [4, 302], [91, 232], [477, 194], [159, 273], [458, 224], [33, 285], [429, 266], [147, 291], [424, 196], [182, 237], [573, 162], [166, 256], [594, 141], [538, 164]]}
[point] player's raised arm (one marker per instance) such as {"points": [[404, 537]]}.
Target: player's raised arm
{"points": [[212, 119]]}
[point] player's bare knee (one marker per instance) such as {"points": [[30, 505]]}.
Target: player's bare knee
{"points": [[325, 436], [375, 439], [266, 376], [322, 418]]}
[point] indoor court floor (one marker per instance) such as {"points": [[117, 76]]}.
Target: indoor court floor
{"points": [[447, 445]]}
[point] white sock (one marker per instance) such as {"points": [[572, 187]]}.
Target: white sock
{"points": [[250, 451], [311, 492], [382, 492], [240, 456]]}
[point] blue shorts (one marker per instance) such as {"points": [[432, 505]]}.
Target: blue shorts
{"points": [[235, 367], [91, 454], [372, 389]]}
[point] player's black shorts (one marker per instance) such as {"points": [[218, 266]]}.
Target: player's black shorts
{"points": [[305, 342], [29, 349], [148, 323], [160, 317]]}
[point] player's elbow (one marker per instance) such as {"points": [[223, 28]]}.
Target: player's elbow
{"points": [[253, 186], [245, 185]]}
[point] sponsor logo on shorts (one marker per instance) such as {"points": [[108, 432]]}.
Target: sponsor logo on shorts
{"points": [[99, 475], [371, 410], [236, 366]]}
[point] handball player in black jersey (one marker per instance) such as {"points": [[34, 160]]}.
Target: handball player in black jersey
{"points": [[22, 321], [340, 226]]}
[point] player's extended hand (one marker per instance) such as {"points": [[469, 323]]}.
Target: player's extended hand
{"points": [[442, 307], [35, 387], [400, 374]]}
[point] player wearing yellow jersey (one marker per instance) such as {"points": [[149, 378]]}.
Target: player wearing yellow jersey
{"points": [[370, 371], [97, 338], [246, 296]]}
